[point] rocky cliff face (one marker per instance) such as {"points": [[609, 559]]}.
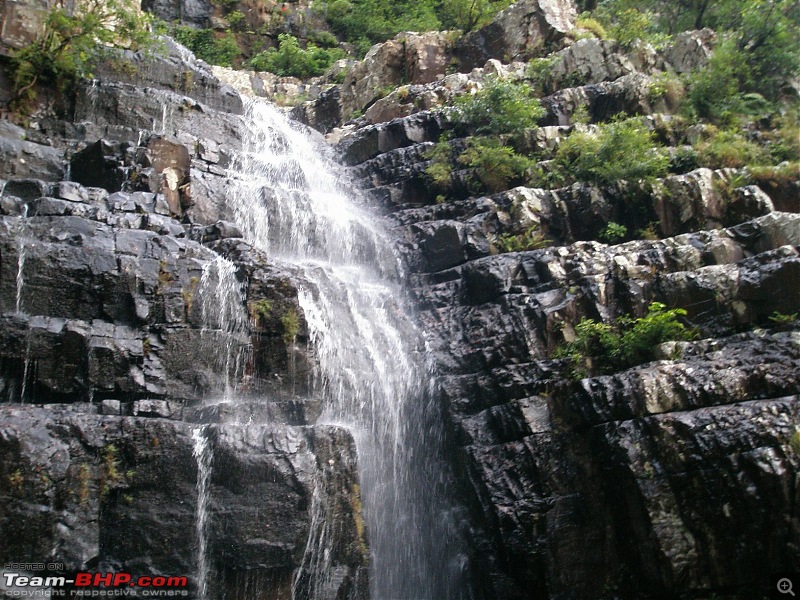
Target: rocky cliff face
{"points": [[126, 298], [676, 478], [672, 479]]}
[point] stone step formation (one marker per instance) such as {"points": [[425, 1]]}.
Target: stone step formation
{"points": [[208, 337]]}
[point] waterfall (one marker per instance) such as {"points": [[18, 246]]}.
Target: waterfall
{"points": [[21, 254], [371, 370], [203, 455], [225, 324]]}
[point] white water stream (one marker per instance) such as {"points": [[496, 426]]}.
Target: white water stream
{"points": [[371, 370]]}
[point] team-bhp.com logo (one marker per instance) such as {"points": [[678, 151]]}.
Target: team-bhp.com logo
{"points": [[88, 584]]}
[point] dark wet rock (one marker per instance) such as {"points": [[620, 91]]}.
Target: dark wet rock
{"points": [[550, 462], [89, 488]]}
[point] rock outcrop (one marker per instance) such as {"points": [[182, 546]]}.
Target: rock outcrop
{"points": [[127, 296]]}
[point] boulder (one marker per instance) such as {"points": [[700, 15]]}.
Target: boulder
{"points": [[524, 30]]}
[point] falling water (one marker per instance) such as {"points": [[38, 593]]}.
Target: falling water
{"points": [[371, 368], [203, 455], [225, 325], [21, 254]]}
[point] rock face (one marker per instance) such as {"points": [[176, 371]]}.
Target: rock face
{"points": [[667, 479], [129, 304], [526, 29]]}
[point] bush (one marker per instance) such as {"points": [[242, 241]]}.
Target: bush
{"points": [[539, 71], [621, 149], [72, 43], [602, 348], [728, 149], [440, 169], [613, 233], [467, 15], [627, 24], [592, 25], [222, 50], [366, 22], [495, 167], [530, 239], [290, 60], [501, 106]]}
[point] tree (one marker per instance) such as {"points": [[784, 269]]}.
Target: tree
{"points": [[467, 15], [74, 39]]}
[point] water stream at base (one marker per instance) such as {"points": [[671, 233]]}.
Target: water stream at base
{"points": [[203, 454], [371, 370]]}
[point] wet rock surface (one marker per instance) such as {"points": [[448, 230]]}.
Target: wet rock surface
{"points": [[639, 484], [672, 479], [117, 347]]}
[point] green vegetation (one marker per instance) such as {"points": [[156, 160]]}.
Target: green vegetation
{"points": [[783, 321], [111, 469], [440, 169], [290, 60], [495, 167], [530, 239], [588, 23], [622, 149], [538, 73], [73, 43], [291, 326], [467, 15], [367, 22], [501, 106], [729, 149], [613, 233], [215, 49], [603, 348], [260, 309]]}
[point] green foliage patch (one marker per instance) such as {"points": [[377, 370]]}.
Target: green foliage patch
{"points": [[604, 348], [215, 49], [290, 60], [73, 42], [622, 149], [501, 106]]}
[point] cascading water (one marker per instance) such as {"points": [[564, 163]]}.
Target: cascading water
{"points": [[225, 323], [203, 455], [21, 255], [371, 370]]}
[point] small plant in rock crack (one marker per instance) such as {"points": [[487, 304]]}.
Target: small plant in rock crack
{"points": [[604, 348]]}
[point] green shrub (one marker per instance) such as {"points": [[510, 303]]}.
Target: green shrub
{"points": [[627, 24], [216, 50], [501, 106], [603, 348], [613, 233], [366, 22], [324, 39], [467, 15], [622, 149], [539, 71], [440, 169], [587, 22], [72, 44], [237, 20], [728, 149], [290, 60], [530, 239], [495, 167]]}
